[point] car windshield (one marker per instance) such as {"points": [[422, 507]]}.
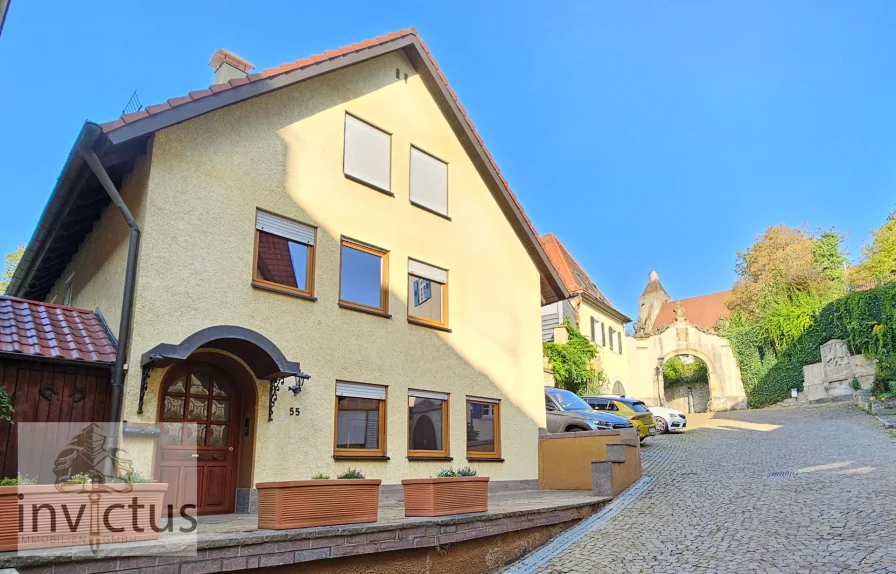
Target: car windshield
{"points": [[568, 400], [639, 407]]}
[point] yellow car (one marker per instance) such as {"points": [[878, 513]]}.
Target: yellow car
{"points": [[632, 409]]}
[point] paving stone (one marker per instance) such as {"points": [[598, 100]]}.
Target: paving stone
{"points": [[714, 507]]}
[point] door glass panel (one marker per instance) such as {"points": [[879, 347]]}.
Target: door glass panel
{"points": [[195, 434], [198, 384], [174, 408], [177, 386], [220, 410], [218, 392], [217, 435], [172, 433], [198, 409]]}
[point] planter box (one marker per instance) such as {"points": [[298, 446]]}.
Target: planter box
{"points": [[304, 503], [76, 500], [442, 496], [883, 407]]}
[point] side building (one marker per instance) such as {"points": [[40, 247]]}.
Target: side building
{"points": [[590, 311]]}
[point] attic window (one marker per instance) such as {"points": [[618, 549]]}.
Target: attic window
{"points": [[367, 155], [579, 278], [429, 182]]}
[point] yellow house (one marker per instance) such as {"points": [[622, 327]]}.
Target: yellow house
{"points": [[331, 273], [590, 311]]}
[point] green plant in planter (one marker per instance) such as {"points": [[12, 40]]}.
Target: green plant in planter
{"points": [[320, 476], [78, 479], [19, 480], [132, 477], [446, 473], [350, 473], [466, 471]]}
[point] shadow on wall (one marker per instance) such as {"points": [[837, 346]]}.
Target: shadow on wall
{"points": [[490, 341]]}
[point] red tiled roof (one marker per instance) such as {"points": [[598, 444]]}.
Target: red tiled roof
{"points": [[567, 268], [308, 62], [703, 311], [30, 328]]}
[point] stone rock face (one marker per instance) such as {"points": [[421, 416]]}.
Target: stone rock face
{"points": [[831, 379]]}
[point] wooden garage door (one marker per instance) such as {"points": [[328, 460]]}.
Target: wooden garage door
{"points": [[48, 392]]}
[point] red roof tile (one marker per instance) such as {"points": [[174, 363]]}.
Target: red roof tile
{"points": [[703, 311], [311, 61], [571, 273], [34, 329]]}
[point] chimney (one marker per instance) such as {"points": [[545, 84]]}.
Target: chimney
{"points": [[228, 66]]}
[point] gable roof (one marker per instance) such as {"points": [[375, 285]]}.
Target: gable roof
{"points": [[40, 330], [703, 311], [124, 139], [574, 277]]}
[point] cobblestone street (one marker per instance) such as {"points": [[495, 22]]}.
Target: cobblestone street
{"points": [[798, 490]]}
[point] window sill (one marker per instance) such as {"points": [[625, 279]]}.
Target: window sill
{"points": [[484, 459], [413, 321], [430, 458], [353, 457], [432, 211], [370, 185], [374, 312], [295, 294]]}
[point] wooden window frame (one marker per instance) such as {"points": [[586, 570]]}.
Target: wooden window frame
{"points": [[383, 254], [443, 324], [446, 434], [279, 287], [360, 452], [496, 417]]}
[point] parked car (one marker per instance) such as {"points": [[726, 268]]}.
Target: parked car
{"points": [[566, 412], [632, 409], [667, 419]]}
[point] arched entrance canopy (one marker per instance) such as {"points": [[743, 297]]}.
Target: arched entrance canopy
{"points": [[260, 354], [257, 351]]}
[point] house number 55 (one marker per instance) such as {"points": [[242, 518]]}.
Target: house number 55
{"points": [[294, 411]]}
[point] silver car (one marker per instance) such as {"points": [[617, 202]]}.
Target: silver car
{"points": [[566, 412]]}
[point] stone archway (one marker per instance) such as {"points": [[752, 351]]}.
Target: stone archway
{"points": [[682, 338]]}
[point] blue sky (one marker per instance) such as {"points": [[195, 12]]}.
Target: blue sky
{"points": [[646, 135]]}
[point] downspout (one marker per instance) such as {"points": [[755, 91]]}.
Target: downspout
{"points": [[92, 133]]}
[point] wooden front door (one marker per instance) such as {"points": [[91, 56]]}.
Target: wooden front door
{"points": [[198, 414]]}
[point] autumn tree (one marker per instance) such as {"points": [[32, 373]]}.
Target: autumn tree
{"points": [[784, 280], [12, 260], [879, 256]]}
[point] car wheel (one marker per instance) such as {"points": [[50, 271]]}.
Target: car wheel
{"points": [[661, 426]]}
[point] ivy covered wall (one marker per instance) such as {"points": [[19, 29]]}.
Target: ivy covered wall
{"points": [[866, 320]]}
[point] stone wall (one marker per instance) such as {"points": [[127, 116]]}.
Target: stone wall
{"points": [[832, 378], [677, 397]]}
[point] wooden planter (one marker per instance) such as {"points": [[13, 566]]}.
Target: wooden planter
{"points": [[73, 532], [442, 496], [304, 503]]}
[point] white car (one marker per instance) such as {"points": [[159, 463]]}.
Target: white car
{"points": [[668, 419]]}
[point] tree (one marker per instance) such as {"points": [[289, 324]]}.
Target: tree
{"points": [[879, 257], [12, 261]]}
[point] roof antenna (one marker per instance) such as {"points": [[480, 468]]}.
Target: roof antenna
{"points": [[133, 105]]}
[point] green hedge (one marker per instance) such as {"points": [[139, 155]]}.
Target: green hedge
{"points": [[866, 320]]}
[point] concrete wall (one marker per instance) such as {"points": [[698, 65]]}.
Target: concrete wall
{"points": [[100, 262], [565, 459], [282, 152]]}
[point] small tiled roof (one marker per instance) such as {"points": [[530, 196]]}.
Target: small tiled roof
{"points": [[703, 311], [573, 275], [33, 329]]}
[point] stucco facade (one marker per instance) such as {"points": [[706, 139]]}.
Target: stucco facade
{"points": [[613, 361], [196, 202]]}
